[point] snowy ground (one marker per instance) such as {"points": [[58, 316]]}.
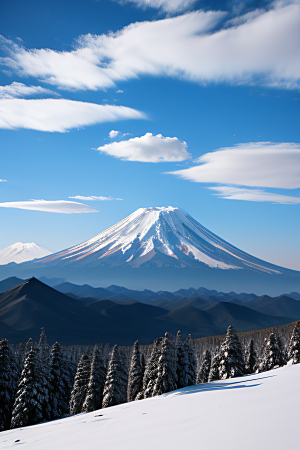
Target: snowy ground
{"points": [[253, 412]]}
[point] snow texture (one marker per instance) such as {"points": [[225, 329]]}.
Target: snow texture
{"points": [[188, 418], [20, 252]]}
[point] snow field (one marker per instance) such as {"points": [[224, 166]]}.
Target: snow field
{"points": [[259, 411]]}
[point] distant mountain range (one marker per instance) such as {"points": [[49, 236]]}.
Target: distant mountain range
{"points": [[160, 248], [118, 315], [20, 253]]}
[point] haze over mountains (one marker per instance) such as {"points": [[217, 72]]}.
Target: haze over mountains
{"points": [[161, 248], [85, 315]]}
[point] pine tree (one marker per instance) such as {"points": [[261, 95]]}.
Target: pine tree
{"points": [[94, 395], [250, 358], [32, 394], [136, 373], [80, 385], [294, 346], [214, 373], [8, 384], [191, 361], [272, 355], [115, 389], [167, 378], [203, 373], [181, 362], [43, 346], [59, 384], [232, 359], [30, 344], [151, 370]]}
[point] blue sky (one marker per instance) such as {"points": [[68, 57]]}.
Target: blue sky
{"points": [[204, 97]]}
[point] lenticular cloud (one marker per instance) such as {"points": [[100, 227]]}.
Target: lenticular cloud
{"points": [[59, 114], [148, 148]]}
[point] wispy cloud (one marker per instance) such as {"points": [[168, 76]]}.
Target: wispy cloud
{"points": [[258, 164], [253, 195], [148, 148], [119, 91], [113, 134], [261, 48], [94, 197], [59, 114], [54, 206], [16, 90], [2, 181], [170, 6]]}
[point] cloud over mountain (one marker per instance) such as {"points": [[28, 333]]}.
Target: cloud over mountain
{"points": [[54, 206]]}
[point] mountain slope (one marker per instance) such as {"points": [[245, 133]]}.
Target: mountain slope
{"points": [[265, 403], [19, 253], [279, 306]]}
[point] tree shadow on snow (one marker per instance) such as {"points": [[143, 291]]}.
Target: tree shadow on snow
{"points": [[216, 386]]}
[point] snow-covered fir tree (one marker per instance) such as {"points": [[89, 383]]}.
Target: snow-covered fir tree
{"points": [[115, 389], [191, 361], [94, 395], [272, 354], [59, 384], [167, 377], [80, 386], [294, 345], [136, 373], [8, 384], [250, 358], [31, 402], [181, 362], [214, 373], [204, 370], [232, 362], [43, 346], [30, 344], [151, 370]]}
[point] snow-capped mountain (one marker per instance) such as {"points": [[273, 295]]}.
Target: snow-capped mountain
{"points": [[19, 253], [161, 236]]}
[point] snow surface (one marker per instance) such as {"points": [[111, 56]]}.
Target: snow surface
{"points": [[160, 233], [20, 252], [259, 411]]}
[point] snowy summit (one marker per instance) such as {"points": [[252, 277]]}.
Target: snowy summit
{"points": [[158, 236], [19, 253]]}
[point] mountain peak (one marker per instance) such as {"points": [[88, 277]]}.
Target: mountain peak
{"points": [[22, 252]]}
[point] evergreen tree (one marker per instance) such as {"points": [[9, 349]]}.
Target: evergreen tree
{"points": [[151, 371], [167, 378], [115, 389], [43, 346], [272, 355], [94, 395], [80, 385], [250, 358], [136, 373], [294, 346], [191, 361], [203, 373], [181, 362], [30, 344], [31, 400], [8, 384], [214, 373], [59, 384], [232, 362]]}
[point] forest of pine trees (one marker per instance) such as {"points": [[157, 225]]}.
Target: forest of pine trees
{"points": [[39, 382]]}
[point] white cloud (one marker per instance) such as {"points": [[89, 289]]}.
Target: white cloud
{"points": [[2, 181], [253, 195], [113, 134], [94, 197], [166, 5], [120, 91], [21, 90], [148, 148], [59, 114], [262, 164], [55, 206], [264, 48]]}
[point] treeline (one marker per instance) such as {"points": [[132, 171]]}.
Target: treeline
{"points": [[46, 384]]}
